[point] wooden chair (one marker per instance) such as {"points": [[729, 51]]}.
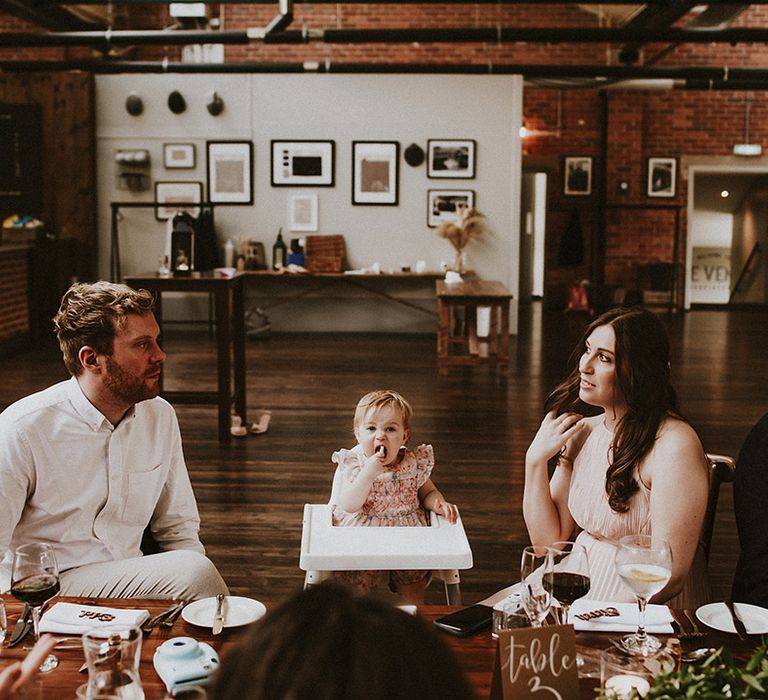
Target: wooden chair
{"points": [[722, 468]]}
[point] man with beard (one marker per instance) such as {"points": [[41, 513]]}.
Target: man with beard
{"points": [[88, 463]]}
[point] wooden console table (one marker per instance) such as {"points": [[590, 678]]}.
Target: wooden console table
{"points": [[374, 284], [458, 342], [228, 293]]}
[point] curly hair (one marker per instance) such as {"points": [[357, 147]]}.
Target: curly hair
{"points": [[91, 314], [383, 398], [329, 643], [643, 379]]}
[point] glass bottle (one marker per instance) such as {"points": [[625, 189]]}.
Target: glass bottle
{"points": [[279, 252]]}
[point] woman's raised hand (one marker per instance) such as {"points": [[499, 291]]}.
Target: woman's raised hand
{"points": [[554, 432]]}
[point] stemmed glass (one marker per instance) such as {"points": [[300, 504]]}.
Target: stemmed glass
{"points": [[644, 563], [536, 597], [567, 575], [34, 580]]}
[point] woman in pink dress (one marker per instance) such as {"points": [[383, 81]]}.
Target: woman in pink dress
{"points": [[634, 468], [383, 484]]}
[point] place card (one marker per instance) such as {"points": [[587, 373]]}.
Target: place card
{"points": [[536, 662]]}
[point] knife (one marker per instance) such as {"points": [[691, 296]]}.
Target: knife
{"points": [[22, 627], [741, 630], [218, 617]]}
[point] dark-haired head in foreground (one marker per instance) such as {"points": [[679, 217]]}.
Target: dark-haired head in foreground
{"points": [[328, 643]]}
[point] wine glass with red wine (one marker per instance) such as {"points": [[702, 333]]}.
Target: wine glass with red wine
{"points": [[567, 575], [34, 580]]}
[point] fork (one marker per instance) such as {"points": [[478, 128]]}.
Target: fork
{"points": [[681, 630], [170, 618], [697, 631]]}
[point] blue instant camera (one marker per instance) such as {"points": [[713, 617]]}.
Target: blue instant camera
{"points": [[183, 661]]}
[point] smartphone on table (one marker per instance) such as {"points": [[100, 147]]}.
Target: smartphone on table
{"points": [[466, 621]]}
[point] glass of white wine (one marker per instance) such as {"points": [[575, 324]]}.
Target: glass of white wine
{"points": [[644, 564]]}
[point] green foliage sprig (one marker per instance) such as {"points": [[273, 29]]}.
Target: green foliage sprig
{"points": [[718, 677]]}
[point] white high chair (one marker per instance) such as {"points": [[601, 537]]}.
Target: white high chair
{"points": [[443, 547]]}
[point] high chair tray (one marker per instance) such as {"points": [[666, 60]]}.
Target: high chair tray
{"points": [[324, 547]]}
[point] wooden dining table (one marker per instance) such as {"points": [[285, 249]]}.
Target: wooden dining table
{"points": [[475, 654]]}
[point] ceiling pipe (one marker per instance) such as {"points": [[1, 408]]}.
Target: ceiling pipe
{"points": [[356, 36], [601, 76], [278, 23]]}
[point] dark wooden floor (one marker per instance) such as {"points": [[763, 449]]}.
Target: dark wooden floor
{"points": [[251, 493]]}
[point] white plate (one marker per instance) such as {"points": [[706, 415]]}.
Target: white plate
{"points": [[717, 616], [238, 611]]}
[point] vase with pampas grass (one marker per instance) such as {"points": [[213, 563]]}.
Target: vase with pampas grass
{"points": [[471, 224]]}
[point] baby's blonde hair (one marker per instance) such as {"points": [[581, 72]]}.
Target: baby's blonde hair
{"points": [[382, 398]]}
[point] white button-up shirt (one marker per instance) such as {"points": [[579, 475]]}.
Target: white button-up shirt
{"points": [[71, 478]]}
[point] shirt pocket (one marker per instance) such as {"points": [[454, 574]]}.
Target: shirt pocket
{"points": [[144, 490]]}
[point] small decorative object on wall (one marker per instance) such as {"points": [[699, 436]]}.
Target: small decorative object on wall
{"points": [[471, 224], [662, 175], [176, 102], [414, 155], [134, 105], [577, 175], [302, 163], [230, 172], [451, 158], [179, 155], [374, 172], [445, 206], [173, 196], [214, 104], [303, 212]]}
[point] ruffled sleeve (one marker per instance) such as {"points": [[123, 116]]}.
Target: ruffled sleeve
{"points": [[349, 463], [425, 462]]}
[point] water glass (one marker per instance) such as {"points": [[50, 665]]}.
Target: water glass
{"points": [[509, 614], [112, 653], [536, 594], [620, 672]]}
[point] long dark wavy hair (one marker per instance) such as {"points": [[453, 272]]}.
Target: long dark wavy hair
{"points": [[642, 378]]}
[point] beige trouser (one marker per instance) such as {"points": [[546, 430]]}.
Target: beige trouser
{"points": [[179, 574]]}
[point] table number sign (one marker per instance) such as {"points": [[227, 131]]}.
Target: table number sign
{"points": [[536, 662]]}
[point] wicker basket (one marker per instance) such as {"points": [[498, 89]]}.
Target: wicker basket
{"points": [[324, 253]]}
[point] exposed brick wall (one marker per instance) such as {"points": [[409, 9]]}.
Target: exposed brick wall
{"points": [[640, 124], [14, 281]]}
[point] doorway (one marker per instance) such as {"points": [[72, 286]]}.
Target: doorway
{"points": [[727, 247], [533, 216]]}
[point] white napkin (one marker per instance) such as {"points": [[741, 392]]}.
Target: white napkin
{"points": [[657, 617], [68, 618]]}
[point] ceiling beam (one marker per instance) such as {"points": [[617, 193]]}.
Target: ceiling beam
{"points": [[46, 14]]}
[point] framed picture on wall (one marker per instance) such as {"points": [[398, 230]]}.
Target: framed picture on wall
{"points": [[303, 212], [445, 206], [577, 175], [230, 172], [179, 155], [451, 158], [662, 174], [374, 172], [302, 163], [173, 196]]}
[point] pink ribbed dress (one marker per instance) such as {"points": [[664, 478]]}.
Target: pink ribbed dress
{"points": [[602, 527]]}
